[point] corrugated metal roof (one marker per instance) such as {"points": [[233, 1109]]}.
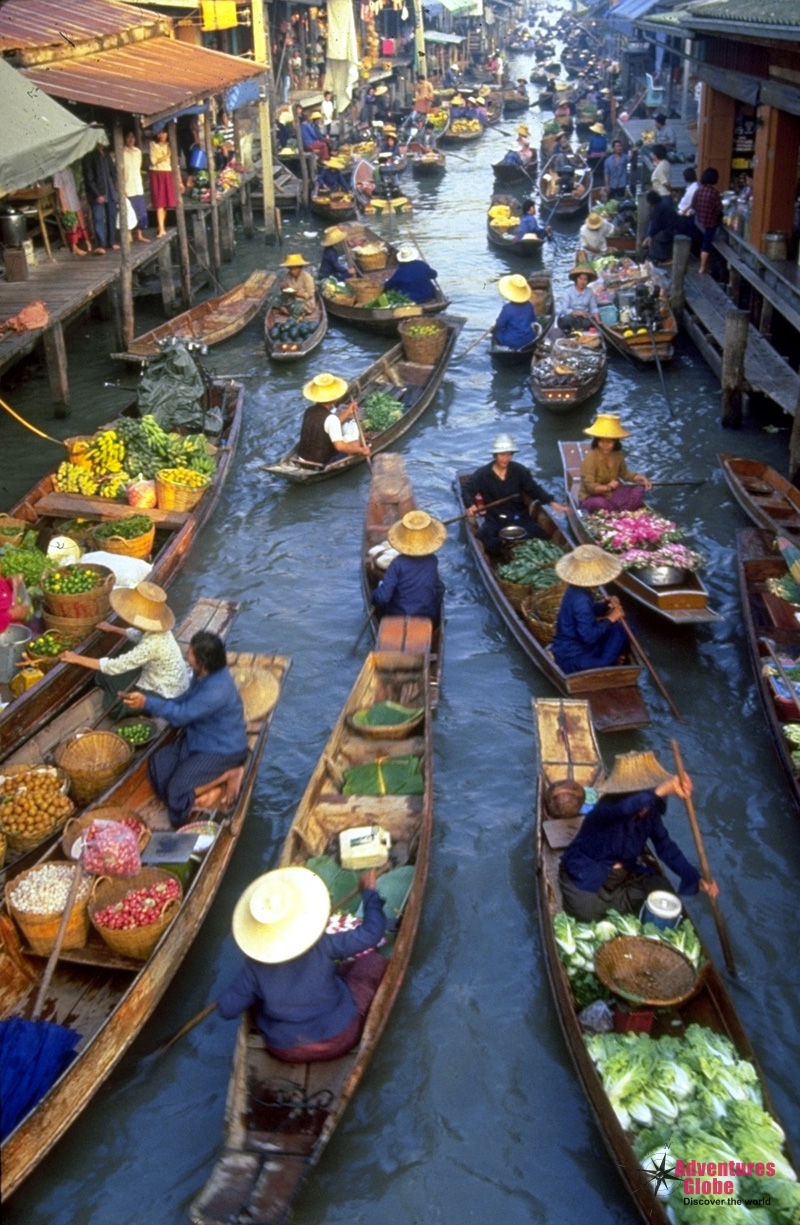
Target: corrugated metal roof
{"points": [[151, 78], [757, 12], [50, 23]]}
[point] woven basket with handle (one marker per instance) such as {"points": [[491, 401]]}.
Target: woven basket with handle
{"points": [[177, 497], [424, 350], [93, 760], [645, 971], [137, 546], [12, 530], [139, 942], [40, 930], [83, 605], [107, 812]]}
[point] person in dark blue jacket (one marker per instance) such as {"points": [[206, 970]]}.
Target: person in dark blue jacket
{"points": [[603, 868], [332, 263], [413, 276], [411, 586], [588, 633], [214, 736], [307, 1009], [530, 224], [515, 326], [332, 177]]}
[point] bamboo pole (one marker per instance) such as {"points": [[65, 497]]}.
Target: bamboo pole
{"points": [[180, 216]]}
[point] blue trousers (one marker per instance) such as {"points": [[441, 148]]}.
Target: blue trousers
{"points": [[601, 655], [175, 772], [105, 223]]}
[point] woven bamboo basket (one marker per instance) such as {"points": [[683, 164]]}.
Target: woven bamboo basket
{"points": [[424, 350], [108, 812], [345, 298], [86, 604], [140, 941], [545, 604], [40, 930], [12, 530], [46, 662], [137, 546], [365, 291], [543, 631], [515, 593], [177, 497], [74, 628], [19, 842], [93, 760], [389, 731], [3, 847], [371, 261], [646, 971]]}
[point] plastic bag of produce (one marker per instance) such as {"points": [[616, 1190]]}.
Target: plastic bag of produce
{"points": [[111, 849], [142, 494]]}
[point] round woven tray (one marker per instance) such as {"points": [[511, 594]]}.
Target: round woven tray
{"points": [[646, 971], [389, 731]]}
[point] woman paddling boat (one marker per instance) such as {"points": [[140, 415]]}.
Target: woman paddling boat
{"points": [[604, 469]]}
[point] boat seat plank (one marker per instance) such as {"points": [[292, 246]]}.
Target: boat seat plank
{"points": [[355, 751], [275, 1189], [405, 634], [78, 505], [208, 614]]}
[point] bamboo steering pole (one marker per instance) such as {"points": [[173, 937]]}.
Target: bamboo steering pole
{"points": [[722, 931]]}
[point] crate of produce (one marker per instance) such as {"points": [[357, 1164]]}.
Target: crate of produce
{"points": [[131, 537], [12, 530], [79, 591], [180, 488], [131, 914], [423, 340], [93, 760], [33, 804], [36, 900], [371, 257]]}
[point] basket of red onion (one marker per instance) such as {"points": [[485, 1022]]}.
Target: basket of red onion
{"points": [[132, 914]]}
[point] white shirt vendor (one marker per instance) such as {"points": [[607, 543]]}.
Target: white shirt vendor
{"points": [[164, 670], [338, 432]]}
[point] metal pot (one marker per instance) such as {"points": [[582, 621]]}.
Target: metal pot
{"points": [[509, 537], [13, 228], [660, 576]]}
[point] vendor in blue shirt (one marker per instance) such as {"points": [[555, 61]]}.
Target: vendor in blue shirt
{"points": [[515, 326], [588, 633], [411, 586], [530, 224], [413, 276], [602, 869], [307, 1008], [332, 263], [331, 177], [214, 736]]}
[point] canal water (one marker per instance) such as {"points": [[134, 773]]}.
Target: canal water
{"points": [[470, 1111]]}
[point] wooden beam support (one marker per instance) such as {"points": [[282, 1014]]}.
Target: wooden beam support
{"points": [[737, 323], [165, 276], [180, 216], [125, 273], [200, 235], [56, 353], [212, 187], [681, 250]]}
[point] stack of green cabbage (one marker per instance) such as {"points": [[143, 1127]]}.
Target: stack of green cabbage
{"points": [[578, 943], [693, 1098]]}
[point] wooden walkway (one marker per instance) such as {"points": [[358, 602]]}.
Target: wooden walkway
{"points": [[66, 285], [766, 373]]}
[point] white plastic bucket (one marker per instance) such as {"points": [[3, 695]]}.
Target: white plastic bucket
{"points": [[662, 908], [12, 644]]}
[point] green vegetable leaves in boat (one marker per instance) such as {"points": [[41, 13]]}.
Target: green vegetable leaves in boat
{"points": [[381, 410], [532, 564], [387, 714], [386, 776]]}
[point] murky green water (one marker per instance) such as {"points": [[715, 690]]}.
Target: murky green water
{"points": [[470, 1111]]}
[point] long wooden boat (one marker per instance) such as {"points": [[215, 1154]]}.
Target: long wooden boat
{"points": [[510, 175], [768, 616], [376, 188], [279, 1117], [515, 101], [87, 712], [625, 240], [45, 509], [334, 206], [459, 137], [765, 496], [289, 350], [414, 385], [529, 247], [561, 387], [711, 1006], [565, 203], [105, 996], [212, 321], [541, 284], [642, 346], [425, 162], [391, 497], [616, 700], [383, 320], [684, 603]]}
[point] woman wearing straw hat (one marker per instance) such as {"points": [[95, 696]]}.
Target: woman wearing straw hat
{"points": [[411, 586], [332, 177], [602, 868], [516, 326], [307, 1008], [312, 138], [299, 282], [327, 431], [578, 303], [412, 276], [152, 659], [604, 469], [530, 224], [587, 631], [593, 236], [504, 479], [332, 264], [598, 145], [214, 739]]}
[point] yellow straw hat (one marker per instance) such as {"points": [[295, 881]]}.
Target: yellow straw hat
{"points": [[523, 130], [607, 425], [143, 606], [336, 163], [481, 101], [325, 388], [633, 772], [316, 115], [585, 269], [281, 915], [294, 261], [417, 534], [333, 235], [514, 288], [381, 90], [588, 566], [598, 129], [594, 221]]}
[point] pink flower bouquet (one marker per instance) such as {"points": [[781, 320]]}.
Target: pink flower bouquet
{"points": [[618, 531]]}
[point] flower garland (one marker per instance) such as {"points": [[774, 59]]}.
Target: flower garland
{"points": [[642, 538]]}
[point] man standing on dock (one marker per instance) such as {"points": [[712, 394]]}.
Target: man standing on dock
{"points": [[98, 174]]}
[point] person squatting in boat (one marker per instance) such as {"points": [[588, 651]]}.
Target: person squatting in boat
{"points": [[328, 431]]}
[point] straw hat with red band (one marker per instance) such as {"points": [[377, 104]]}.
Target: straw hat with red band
{"points": [[144, 607]]}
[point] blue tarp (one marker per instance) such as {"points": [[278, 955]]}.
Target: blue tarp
{"points": [[244, 93], [33, 1054]]}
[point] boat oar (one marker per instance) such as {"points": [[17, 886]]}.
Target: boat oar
{"points": [[792, 691], [499, 501], [652, 331], [184, 1029], [550, 215], [722, 932], [56, 949], [482, 336], [640, 652], [369, 617]]}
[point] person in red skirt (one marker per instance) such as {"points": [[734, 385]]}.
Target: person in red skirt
{"points": [[162, 187]]}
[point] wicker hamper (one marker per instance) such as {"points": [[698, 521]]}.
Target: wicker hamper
{"points": [[40, 930], [93, 760], [12, 530], [84, 605], [424, 350], [139, 942]]}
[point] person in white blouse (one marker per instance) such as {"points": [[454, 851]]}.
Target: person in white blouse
{"points": [[153, 662]]}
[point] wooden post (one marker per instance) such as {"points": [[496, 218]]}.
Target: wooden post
{"points": [[794, 447], [200, 235], [180, 217], [642, 218], [681, 250], [732, 377], [633, 171], [56, 354], [262, 55], [227, 237], [165, 275], [125, 274], [212, 186], [303, 167], [765, 318], [245, 197]]}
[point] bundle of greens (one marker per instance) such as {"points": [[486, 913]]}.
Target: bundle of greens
{"points": [[389, 298], [381, 410], [532, 564], [31, 563], [128, 529]]}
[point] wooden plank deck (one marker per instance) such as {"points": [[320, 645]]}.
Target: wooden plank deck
{"points": [[765, 370]]}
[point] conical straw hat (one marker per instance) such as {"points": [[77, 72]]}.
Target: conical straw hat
{"points": [[417, 534], [607, 425], [514, 288], [588, 566], [633, 772], [281, 915], [144, 607], [325, 388]]}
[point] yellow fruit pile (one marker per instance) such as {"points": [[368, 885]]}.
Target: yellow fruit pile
{"points": [[461, 126], [106, 453], [185, 478], [501, 218], [70, 478]]}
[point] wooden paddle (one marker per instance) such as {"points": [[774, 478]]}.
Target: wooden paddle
{"points": [[722, 932], [482, 336], [56, 950], [184, 1029], [640, 652], [464, 514], [369, 617]]}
